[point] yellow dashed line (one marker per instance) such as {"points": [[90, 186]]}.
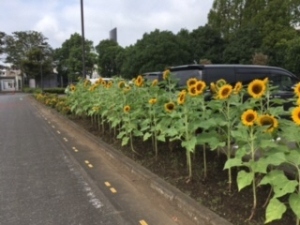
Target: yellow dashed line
{"points": [[58, 131], [143, 222], [113, 190], [65, 139], [107, 184], [87, 162], [90, 165]]}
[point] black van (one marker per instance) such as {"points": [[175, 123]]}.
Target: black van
{"points": [[280, 77]]}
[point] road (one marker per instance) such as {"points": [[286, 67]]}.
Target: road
{"points": [[50, 175]]}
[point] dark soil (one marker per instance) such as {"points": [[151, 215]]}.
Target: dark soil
{"points": [[211, 192]]}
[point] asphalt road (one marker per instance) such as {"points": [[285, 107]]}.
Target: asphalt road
{"points": [[51, 176]]}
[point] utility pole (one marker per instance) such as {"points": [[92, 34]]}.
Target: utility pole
{"points": [[83, 40]]}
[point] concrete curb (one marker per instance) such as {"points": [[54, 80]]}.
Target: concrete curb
{"points": [[184, 203]]}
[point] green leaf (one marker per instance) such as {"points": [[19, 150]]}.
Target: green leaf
{"points": [[276, 159], [125, 141], [294, 201], [161, 138], [294, 157], [275, 210], [244, 179], [280, 183], [234, 162], [146, 136], [121, 134], [190, 144]]}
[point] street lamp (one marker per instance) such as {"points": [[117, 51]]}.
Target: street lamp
{"points": [[41, 46], [83, 39]]}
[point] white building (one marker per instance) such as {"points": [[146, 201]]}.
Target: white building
{"points": [[10, 80]]}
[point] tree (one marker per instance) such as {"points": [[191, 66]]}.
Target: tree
{"points": [[69, 57], [154, 52], [109, 60], [2, 35]]}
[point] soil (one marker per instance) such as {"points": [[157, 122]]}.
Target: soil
{"points": [[212, 192]]}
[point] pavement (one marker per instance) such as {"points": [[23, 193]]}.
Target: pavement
{"points": [[198, 213]]}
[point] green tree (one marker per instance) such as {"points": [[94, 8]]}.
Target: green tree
{"points": [[109, 58], [154, 52], [69, 58]]}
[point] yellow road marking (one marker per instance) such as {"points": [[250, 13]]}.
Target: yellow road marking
{"points": [[58, 131], [107, 184], [90, 165], [143, 222], [86, 161], [113, 190]]}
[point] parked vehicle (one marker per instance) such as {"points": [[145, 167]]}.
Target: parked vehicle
{"points": [[280, 77], [150, 76]]}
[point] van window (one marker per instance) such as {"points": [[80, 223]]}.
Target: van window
{"points": [[282, 80], [246, 75], [183, 75], [214, 74]]}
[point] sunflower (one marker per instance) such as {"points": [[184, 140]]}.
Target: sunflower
{"points": [[200, 87], [87, 83], [121, 84], [126, 89], [257, 88], [139, 81], [181, 98], [126, 109], [166, 74], [266, 80], [191, 82], [213, 87], [220, 83], [170, 106], [267, 120], [192, 90], [249, 117], [109, 84], [225, 91], [99, 81], [237, 87], [296, 115], [154, 82], [73, 88], [297, 90], [152, 101]]}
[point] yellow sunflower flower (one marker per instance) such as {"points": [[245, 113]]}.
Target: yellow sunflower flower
{"points": [[220, 83], [296, 115], [213, 87], [297, 90], [87, 83], [225, 91], [170, 106], [200, 87], [267, 120], [192, 90], [237, 87], [152, 101], [99, 81], [181, 98], [126, 89], [191, 82], [154, 82], [139, 81], [166, 74], [257, 88], [126, 109], [266, 80], [73, 88], [249, 117], [121, 84]]}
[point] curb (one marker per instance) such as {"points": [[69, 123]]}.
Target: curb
{"points": [[184, 203]]}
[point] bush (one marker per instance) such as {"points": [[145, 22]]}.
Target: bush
{"points": [[54, 90]]}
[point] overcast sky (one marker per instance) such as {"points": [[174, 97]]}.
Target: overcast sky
{"points": [[58, 19]]}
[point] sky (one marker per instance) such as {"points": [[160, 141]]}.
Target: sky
{"points": [[58, 19]]}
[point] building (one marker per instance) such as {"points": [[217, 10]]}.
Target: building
{"points": [[10, 80]]}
